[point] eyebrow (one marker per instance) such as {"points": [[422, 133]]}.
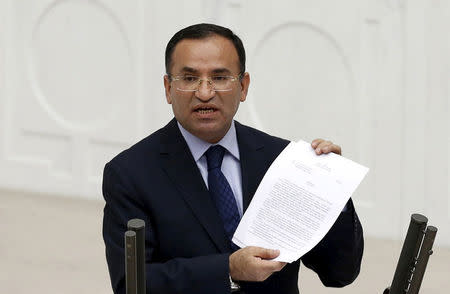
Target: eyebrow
{"points": [[188, 69], [221, 71]]}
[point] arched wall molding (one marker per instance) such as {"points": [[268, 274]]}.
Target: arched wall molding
{"points": [[315, 29], [43, 100]]}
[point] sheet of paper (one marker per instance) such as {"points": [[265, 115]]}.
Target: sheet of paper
{"points": [[298, 200]]}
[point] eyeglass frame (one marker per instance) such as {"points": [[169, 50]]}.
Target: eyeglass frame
{"points": [[208, 79]]}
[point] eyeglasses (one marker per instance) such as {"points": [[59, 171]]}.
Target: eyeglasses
{"points": [[190, 83]]}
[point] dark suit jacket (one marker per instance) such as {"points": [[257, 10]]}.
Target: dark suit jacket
{"points": [[187, 251]]}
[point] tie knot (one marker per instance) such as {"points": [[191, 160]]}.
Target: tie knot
{"points": [[214, 156]]}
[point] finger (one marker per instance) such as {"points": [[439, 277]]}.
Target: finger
{"points": [[324, 146], [271, 266], [280, 265], [331, 148], [265, 253], [321, 146], [316, 142]]}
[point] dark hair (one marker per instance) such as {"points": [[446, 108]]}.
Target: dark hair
{"points": [[202, 31]]}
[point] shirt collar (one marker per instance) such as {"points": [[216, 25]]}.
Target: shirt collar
{"points": [[198, 147]]}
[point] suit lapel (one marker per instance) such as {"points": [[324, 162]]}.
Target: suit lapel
{"points": [[252, 161], [181, 168]]}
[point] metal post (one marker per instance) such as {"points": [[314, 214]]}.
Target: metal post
{"points": [[424, 255], [138, 226], [130, 262], [407, 260]]}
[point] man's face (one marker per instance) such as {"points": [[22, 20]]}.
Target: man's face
{"points": [[204, 58]]}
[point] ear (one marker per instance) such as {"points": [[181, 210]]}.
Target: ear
{"points": [[167, 87], [245, 83]]}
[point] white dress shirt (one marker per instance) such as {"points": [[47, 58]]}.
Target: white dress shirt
{"points": [[231, 165]]}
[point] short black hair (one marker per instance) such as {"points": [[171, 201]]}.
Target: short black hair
{"points": [[203, 31]]}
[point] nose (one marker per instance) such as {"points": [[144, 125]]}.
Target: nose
{"points": [[205, 91]]}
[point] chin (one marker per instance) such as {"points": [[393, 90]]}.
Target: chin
{"points": [[211, 134]]}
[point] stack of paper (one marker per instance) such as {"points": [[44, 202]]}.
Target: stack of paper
{"points": [[298, 201]]}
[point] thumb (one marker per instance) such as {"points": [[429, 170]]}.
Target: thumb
{"points": [[265, 253]]}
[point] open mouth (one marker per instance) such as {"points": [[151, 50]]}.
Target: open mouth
{"points": [[205, 110]]}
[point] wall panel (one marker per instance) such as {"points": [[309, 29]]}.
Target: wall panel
{"points": [[82, 80], [72, 79]]}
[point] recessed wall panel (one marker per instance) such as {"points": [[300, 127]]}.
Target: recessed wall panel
{"points": [[72, 78], [51, 150], [80, 64], [302, 83]]}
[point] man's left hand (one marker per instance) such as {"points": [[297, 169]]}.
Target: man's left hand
{"points": [[322, 146]]}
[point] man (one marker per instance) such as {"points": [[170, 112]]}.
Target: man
{"points": [[191, 203]]}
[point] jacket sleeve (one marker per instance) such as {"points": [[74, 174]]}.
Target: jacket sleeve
{"points": [[202, 274], [337, 257]]}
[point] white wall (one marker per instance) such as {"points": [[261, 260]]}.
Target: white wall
{"points": [[81, 80]]}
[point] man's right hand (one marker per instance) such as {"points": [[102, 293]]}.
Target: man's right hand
{"points": [[254, 264]]}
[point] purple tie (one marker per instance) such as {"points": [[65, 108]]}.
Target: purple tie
{"points": [[220, 190]]}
